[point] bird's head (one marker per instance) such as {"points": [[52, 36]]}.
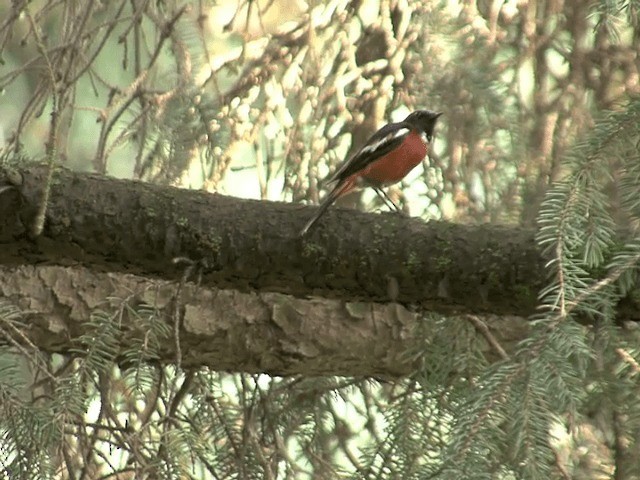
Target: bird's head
{"points": [[423, 120]]}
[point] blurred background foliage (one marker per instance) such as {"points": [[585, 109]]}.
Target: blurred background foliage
{"points": [[265, 98]]}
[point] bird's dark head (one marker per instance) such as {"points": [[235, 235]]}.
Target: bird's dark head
{"points": [[423, 120]]}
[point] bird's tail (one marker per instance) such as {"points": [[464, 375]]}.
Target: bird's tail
{"points": [[340, 189]]}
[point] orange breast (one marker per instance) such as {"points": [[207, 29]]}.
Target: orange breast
{"points": [[395, 165]]}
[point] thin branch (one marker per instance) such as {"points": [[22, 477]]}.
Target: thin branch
{"points": [[482, 327]]}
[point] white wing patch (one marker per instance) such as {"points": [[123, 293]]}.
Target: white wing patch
{"points": [[400, 133], [374, 146]]}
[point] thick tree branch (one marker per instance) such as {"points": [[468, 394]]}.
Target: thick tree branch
{"points": [[228, 330], [125, 226]]}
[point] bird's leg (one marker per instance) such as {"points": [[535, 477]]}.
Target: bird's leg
{"points": [[387, 201]]}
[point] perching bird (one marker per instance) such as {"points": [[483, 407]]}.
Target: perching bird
{"points": [[386, 158]]}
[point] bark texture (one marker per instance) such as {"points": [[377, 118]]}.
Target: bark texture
{"points": [[123, 226], [228, 330], [245, 296]]}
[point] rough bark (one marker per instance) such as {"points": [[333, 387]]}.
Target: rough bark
{"points": [[228, 330], [235, 311], [123, 226]]}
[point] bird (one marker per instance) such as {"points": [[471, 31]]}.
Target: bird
{"points": [[385, 158]]}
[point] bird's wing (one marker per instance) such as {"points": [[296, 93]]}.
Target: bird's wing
{"points": [[379, 144]]}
